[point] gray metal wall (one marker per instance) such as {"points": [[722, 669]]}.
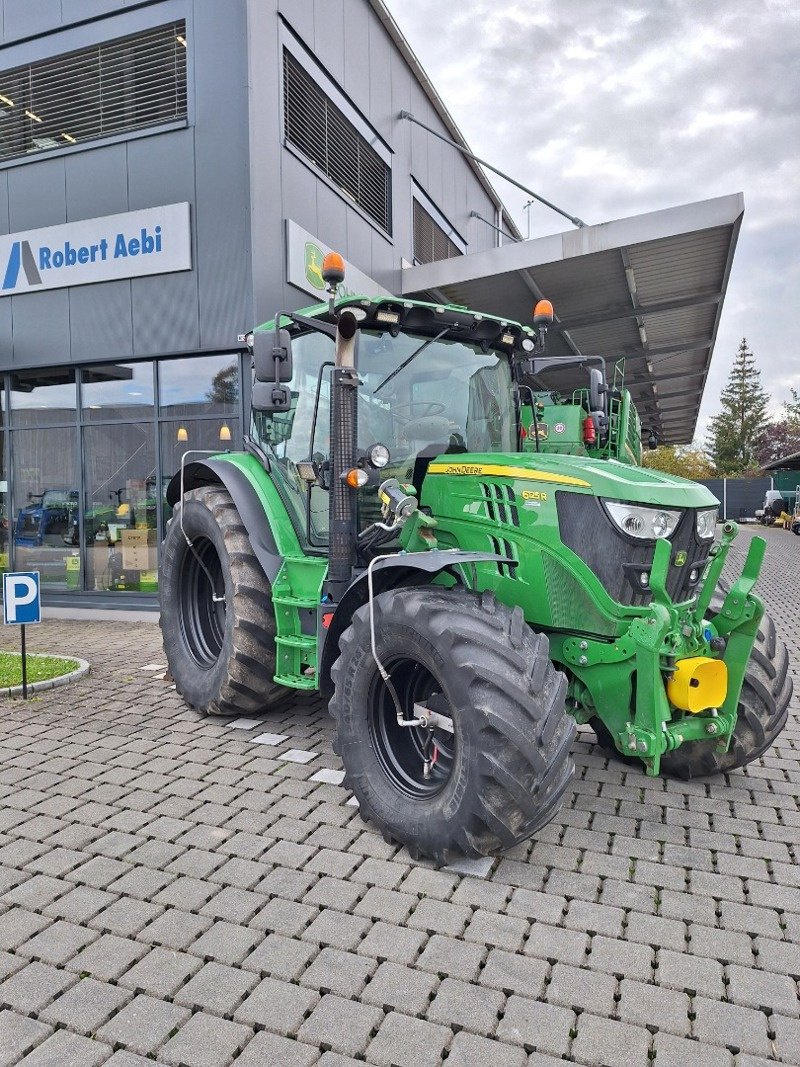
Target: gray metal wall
{"points": [[204, 164], [347, 38], [230, 164]]}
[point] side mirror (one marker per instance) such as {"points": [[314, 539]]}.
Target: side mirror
{"points": [[598, 399], [272, 356], [271, 396]]}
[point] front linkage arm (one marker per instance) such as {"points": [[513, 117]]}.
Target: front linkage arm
{"points": [[648, 651]]}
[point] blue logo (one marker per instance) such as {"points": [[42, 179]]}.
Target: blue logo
{"points": [[21, 256], [21, 599]]}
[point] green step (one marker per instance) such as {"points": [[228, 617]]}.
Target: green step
{"points": [[304, 641]]}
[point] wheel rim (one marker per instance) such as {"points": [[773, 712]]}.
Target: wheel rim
{"points": [[400, 749], [202, 617]]}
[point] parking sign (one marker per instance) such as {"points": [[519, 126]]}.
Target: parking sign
{"points": [[22, 603]]}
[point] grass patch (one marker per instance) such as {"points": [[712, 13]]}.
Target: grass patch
{"points": [[40, 668]]}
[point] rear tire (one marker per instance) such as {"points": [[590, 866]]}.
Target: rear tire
{"points": [[502, 773], [220, 652]]}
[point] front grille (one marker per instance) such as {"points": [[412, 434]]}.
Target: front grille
{"points": [[617, 560]]}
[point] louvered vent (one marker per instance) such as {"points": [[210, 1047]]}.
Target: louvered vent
{"points": [[111, 88], [318, 129], [431, 243]]}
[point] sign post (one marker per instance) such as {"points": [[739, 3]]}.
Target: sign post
{"points": [[22, 605]]}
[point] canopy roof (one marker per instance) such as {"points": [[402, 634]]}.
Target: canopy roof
{"points": [[785, 463], [649, 288]]}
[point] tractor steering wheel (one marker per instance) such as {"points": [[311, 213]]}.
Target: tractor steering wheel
{"points": [[431, 408]]}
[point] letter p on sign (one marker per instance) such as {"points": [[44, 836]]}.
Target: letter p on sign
{"points": [[21, 600]]}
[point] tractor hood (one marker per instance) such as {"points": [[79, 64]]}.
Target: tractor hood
{"points": [[605, 478]]}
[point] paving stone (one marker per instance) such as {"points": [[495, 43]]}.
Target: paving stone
{"points": [[266, 1049], [80, 904], [205, 1041], [674, 1051], [724, 945], [277, 1006], [543, 1027], [126, 917], [58, 943], [335, 928], [402, 988], [18, 925], [341, 1025], [557, 943], [406, 1042], [581, 990], [64, 1048], [37, 892], [761, 989], [397, 943], [33, 987], [693, 974], [502, 931], [176, 929], [226, 943], [594, 918], [343, 973], [107, 958], [86, 1006], [604, 1041], [467, 1007], [731, 1026], [650, 1005], [514, 973], [446, 956], [285, 917], [143, 1025], [385, 904], [621, 958], [18, 1035], [470, 1050], [161, 973], [783, 957], [787, 1037], [280, 957], [216, 988], [438, 917]]}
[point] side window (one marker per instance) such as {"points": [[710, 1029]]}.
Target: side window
{"points": [[288, 436]]}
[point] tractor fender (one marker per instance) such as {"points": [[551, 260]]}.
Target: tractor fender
{"points": [[403, 569], [255, 520]]}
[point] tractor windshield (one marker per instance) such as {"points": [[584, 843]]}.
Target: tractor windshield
{"points": [[448, 397]]}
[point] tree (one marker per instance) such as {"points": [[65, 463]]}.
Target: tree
{"points": [[687, 462], [782, 437], [736, 434], [225, 386]]}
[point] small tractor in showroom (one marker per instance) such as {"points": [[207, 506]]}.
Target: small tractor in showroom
{"points": [[466, 564]]}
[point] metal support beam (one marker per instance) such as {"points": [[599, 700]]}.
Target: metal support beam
{"points": [[619, 313], [495, 170]]}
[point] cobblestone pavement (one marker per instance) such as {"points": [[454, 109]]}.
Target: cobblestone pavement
{"points": [[179, 889]]}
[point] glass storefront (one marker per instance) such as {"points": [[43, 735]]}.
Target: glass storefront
{"points": [[91, 453]]}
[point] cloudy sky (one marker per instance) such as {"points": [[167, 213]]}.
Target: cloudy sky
{"points": [[614, 107]]}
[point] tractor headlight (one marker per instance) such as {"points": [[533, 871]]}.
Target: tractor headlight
{"points": [[378, 456], [643, 523], [706, 523]]}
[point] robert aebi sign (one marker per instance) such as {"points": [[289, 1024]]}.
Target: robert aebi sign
{"points": [[130, 245]]}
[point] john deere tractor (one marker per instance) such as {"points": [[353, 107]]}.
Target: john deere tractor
{"points": [[466, 564]]}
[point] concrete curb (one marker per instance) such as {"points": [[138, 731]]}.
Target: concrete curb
{"points": [[49, 683]]}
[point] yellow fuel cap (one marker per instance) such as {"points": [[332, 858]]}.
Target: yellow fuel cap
{"points": [[698, 683]]}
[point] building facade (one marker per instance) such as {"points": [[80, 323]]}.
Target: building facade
{"points": [[171, 174]]}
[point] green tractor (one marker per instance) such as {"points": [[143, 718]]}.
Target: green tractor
{"points": [[467, 565]]}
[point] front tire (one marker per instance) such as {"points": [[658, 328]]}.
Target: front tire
{"points": [[502, 772], [761, 715], [217, 620]]}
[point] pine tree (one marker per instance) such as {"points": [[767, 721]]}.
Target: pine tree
{"points": [[736, 434]]}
